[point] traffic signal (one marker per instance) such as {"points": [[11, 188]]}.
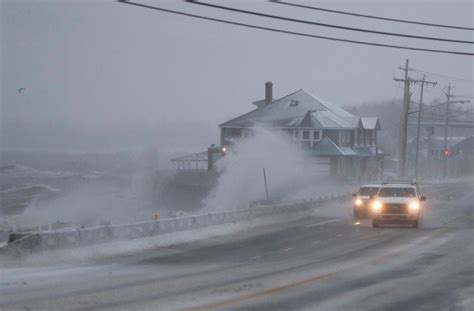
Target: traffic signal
{"points": [[446, 152]]}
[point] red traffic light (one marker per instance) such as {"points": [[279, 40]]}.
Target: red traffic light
{"points": [[446, 152]]}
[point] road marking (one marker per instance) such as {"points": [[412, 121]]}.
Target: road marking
{"points": [[310, 280], [316, 242], [288, 249], [256, 257], [323, 223]]}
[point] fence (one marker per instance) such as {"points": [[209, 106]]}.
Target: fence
{"points": [[24, 243]]}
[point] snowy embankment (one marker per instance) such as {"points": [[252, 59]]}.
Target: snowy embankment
{"points": [[50, 240]]}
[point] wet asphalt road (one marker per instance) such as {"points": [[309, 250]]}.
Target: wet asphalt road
{"points": [[324, 262]]}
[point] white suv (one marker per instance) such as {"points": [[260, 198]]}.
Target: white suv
{"points": [[398, 202]]}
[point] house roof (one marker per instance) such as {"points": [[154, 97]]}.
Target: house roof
{"points": [[368, 151], [200, 156], [370, 123], [298, 109], [327, 147], [259, 103], [466, 144]]}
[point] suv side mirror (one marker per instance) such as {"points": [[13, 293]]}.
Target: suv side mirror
{"points": [[354, 195], [422, 198]]}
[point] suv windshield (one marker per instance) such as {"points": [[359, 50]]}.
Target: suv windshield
{"points": [[397, 192], [368, 191]]}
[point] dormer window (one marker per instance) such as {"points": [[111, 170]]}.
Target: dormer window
{"points": [[294, 103]]}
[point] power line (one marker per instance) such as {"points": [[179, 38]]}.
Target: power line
{"points": [[371, 16], [279, 17], [294, 32], [443, 76], [441, 119]]}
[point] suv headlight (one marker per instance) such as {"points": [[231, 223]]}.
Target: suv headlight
{"points": [[358, 202], [376, 206], [414, 206]]}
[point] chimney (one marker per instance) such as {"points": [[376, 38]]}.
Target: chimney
{"points": [[268, 92]]}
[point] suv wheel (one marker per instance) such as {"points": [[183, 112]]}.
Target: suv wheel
{"points": [[375, 224], [416, 224]]}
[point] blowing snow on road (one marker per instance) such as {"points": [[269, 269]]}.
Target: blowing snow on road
{"points": [[313, 263]]}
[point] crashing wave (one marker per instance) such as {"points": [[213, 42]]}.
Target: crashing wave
{"points": [[23, 170], [31, 188]]}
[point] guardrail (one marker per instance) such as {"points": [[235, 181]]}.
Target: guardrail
{"points": [[29, 242]]}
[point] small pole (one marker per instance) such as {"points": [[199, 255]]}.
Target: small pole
{"points": [[404, 122], [265, 180], [420, 104], [446, 119], [418, 128]]}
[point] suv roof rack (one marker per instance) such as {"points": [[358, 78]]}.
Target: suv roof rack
{"points": [[399, 181]]}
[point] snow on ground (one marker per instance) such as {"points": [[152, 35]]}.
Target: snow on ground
{"points": [[127, 247]]}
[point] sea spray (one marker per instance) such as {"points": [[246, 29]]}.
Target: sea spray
{"points": [[291, 174]]}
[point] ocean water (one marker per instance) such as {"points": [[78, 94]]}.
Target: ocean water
{"points": [[74, 189]]}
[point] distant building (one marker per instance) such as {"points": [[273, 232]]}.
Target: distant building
{"points": [[435, 157], [464, 148], [461, 158], [458, 156], [335, 137]]}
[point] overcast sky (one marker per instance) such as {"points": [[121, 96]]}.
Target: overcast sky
{"points": [[105, 75]]}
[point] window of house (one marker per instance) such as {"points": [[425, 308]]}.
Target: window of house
{"points": [[343, 137], [316, 135], [235, 132], [305, 135], [347, 137], [296, 132]]}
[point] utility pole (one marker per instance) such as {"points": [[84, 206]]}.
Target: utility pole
{"points": [[423, 82], [402, 150], [404, 121], [430, 131], [446, 120]]}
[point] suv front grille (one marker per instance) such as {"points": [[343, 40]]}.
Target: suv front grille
{"points": [[392, 208]]}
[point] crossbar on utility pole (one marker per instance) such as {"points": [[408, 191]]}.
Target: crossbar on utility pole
{"points": [[423, 82]]}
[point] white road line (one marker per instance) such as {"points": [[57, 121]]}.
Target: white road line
{"points": [[256, 257], [316, 242], [323, 223], [288, 249]]}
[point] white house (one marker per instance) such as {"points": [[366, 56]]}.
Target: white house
{"points": [[345, 142]]}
